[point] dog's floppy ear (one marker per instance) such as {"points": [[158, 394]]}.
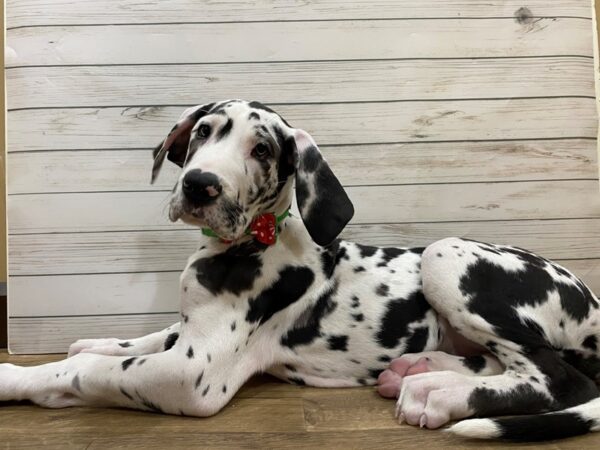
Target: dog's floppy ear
{"points": [[175, 145], [324, 206]]}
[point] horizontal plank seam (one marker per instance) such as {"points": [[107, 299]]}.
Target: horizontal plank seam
{"points": [[348, 102], [353, 144], [98, 315], [433, 183], [282, 62], [154, 230], [226, 22], [66, 274], [287, 61]]}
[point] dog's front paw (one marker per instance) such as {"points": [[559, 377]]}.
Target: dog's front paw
{"points": [[432, 399], [109, 346], [10, 379]]}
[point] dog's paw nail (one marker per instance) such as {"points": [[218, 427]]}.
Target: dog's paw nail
{"points": [[423, 421], [401, 418]]}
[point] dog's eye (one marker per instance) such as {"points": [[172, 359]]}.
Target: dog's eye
{"points": [[261, 151], [204, 130]]}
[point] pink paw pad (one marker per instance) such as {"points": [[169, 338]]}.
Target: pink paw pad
{"points": [[390, 380]]}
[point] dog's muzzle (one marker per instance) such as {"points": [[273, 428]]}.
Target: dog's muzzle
{"points": [[200, 188]]}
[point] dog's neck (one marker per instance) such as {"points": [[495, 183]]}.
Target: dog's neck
{"points": [[280, 210]]}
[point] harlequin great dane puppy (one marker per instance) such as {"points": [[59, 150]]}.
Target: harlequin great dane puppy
{"points": [[470, 329]]}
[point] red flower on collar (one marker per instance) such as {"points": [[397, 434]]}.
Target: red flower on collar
{"points": [[264, 228]]}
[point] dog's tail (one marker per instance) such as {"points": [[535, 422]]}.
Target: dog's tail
{"points": [[573, 421]]}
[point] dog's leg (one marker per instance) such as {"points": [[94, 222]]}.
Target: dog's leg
{"points": [[390, 380], [455, 277], [174, 381], [151, 343]]}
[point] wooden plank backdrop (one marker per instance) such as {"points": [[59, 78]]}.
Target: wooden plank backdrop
{"points": [[470, 118]]}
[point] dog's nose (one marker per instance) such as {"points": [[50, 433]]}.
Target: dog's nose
{"points": [[201, 188]]}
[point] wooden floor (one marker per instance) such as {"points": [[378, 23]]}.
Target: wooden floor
{"points": [[264, 414]]}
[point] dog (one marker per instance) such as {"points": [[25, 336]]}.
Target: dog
{"points": [[457, 330]]}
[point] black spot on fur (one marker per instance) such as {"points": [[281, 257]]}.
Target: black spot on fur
{"points": [[232, 271], [126, 394], [591, 342], [361, 381], [224, 388], [292, 284], [399, 314], [171, 340], [75, 383], [384, 358], [338, 342], [492, 346], [258, 105], [308, 326], [225, 130], [290, 367], [149, 404], [359, 269], [208, 358], [233, 326], [382, 290], [417, 341], [358, 317], [390, 253], [297, 381], [205, 391], [190, 352], [199, 380], [331, 256], [523, 397], [254, 115], [366, 250], [128, 362], [374, 373], [587, 364], [475, 363], [495, 294], [125, 344], [543, 427]]}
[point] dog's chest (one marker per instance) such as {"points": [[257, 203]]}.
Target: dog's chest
{"points": [[342, 311]]}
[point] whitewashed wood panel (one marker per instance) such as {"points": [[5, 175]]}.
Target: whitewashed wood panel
{"points": [[297, 41], [133, 127], [380, 164], [85, 253], [73, 295], [54, 334], [330, 81], [60, 12], [39, 213], [465, 118]]}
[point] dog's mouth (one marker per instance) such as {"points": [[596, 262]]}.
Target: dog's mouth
{"points": [[223, 218]]}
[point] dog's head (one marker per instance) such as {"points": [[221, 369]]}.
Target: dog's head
{"points": [[240, 160]]}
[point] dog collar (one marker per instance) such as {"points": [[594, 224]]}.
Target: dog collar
{"points": [[263, 228]]}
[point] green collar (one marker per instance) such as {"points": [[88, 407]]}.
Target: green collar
{"points": [[278, 219]]}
